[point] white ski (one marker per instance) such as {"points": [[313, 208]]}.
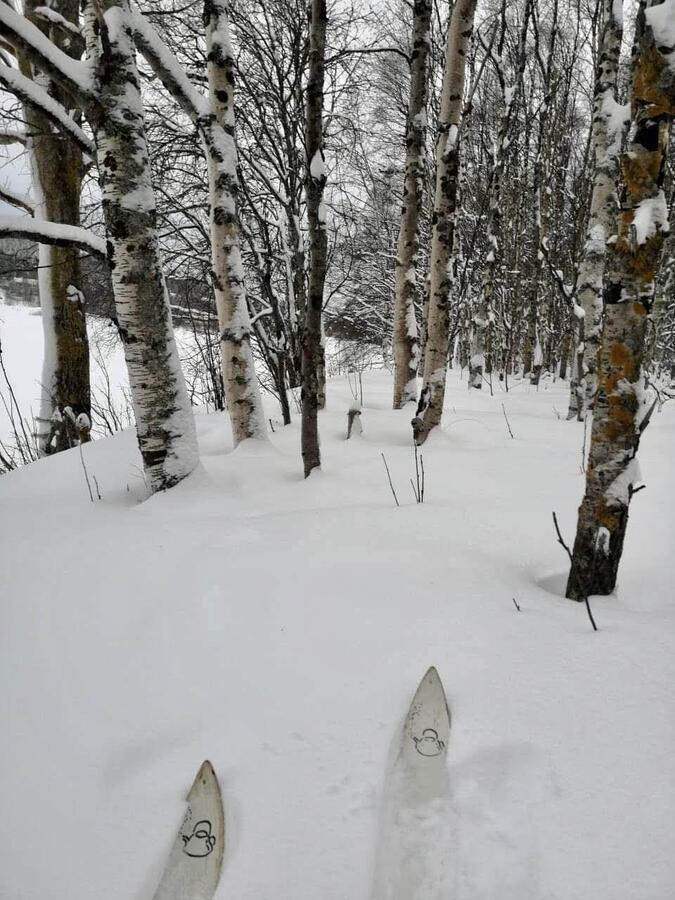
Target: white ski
{"points": [[196, 858], [417, 842], [426, 733]]}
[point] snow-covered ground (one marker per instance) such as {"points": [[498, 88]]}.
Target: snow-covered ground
{"points": [[280, 627]]}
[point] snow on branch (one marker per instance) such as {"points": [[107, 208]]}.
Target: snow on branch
{"points": [[55, 18], [167, 68], [72, 75], [32, 94], [16, 200], [54, 233]]}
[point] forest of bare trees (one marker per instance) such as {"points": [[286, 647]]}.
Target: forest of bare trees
{"points": [[484, 186]]}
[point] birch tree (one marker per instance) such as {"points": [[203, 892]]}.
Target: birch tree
{"points": [[107, 88], [533, 351], [607, 132], [57, 168], [405, 338], [620, 415], [213, 115], [318, 242], [430, 406], [484, 318]]}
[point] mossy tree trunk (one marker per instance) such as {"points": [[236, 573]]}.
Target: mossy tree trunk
{"points": [[612, 473], [57, 169]]}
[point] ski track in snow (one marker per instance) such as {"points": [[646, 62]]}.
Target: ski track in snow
{"points": [[279, 628]]}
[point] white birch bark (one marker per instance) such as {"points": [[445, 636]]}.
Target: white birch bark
{"points": [[607, 130], [405, 338], [239, 376], [164, 420], [214, 118], [107, 87], [484, 316], [430, 405]]}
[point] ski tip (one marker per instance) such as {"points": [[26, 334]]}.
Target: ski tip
{"points": [[432, 679], [431, 683], [205, 778]]}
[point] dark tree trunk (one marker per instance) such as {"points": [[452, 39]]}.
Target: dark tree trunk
{"points": [[312, 351]]}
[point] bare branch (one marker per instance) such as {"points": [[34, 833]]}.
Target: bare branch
{"points": [[15, 200]]}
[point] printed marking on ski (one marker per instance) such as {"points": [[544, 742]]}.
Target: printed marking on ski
{"points": [[196, 858]]}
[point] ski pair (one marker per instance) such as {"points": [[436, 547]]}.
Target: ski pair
{"points": [[195, 862]]}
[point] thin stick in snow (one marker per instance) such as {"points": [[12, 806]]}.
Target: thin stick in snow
{"points": [[389, 477], [507, 421], [569, 553]]}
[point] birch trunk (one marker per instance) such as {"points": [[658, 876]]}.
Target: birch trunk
{"points": [[405, 338], [316, 215], [430, 407], [484, 318], [56, 164], [164, 420], [602, 215], [239, 376], [533, 354], [612, 473]]}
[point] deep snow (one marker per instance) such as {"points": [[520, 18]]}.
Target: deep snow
{"points": [[280, 627]]}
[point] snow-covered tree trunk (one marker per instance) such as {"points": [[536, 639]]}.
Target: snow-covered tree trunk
{"points": [[430, 407], [612, 473], [533, 354], [56, 166], [164, 420], [239, 376], [607, 130], [484, 317], [318, 241], [405, 339]]}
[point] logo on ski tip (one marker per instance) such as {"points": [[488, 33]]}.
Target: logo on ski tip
{"points": [[429, 744], [201, 842]]}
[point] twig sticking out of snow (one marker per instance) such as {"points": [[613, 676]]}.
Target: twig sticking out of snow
{"points": [[418, 489], [569, 553], [515, 603], [389, 477], [508, 424]]}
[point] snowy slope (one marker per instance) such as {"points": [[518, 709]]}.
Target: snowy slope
{"points": [[280, 627]]}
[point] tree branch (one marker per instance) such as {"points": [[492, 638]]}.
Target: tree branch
{"points": [[73, 76], [54, 233], [12, 137], [15, 200], [33, 95], [167, 68]]}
